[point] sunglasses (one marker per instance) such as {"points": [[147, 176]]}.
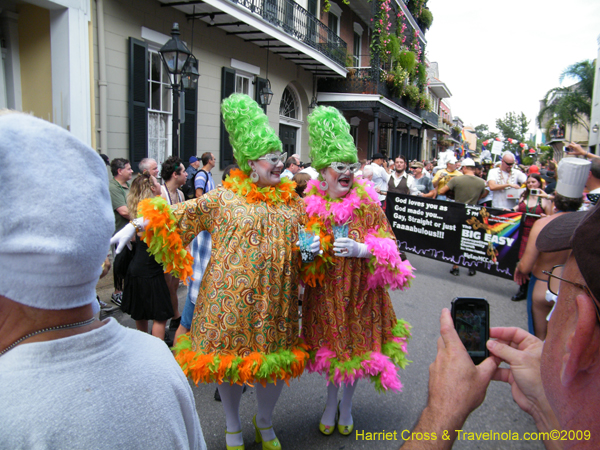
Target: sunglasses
{"points": [[554, 283], [274, 158], [508, 164], [341, 167]]}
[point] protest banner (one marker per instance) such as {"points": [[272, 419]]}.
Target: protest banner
{"points": [[485, 239]]}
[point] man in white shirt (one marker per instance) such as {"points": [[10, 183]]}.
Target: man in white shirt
{"points": [[401, 182], [292, 166], [380, 177], [502, 178]]}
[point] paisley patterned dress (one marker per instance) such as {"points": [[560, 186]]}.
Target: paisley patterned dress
{"points": [[245, 325], [349, 322]]}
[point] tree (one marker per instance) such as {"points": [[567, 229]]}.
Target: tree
{"points": [[513, 126], [571, 105], [484, 134]]}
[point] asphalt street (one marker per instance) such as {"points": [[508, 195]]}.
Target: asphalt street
{"points": [[299, 409]]}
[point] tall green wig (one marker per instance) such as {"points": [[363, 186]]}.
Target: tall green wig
{"points": [[330, 139], [250, 134]]}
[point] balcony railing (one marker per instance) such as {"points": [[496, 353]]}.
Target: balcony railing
{"points": [[443, 126], [430, 117], [299, 23], [364, 80]]}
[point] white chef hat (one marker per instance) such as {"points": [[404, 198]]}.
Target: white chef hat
{"points": [[572, 176]]}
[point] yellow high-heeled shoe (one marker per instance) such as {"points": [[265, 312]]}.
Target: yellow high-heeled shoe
{"points": [[234, 447], [344, 430], [273, 444], [328, 430]]}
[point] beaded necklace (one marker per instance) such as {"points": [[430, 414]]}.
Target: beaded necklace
{"points": [[44, 330]]}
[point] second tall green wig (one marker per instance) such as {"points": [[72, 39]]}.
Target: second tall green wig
{"points": [[250, 134], [330, 139]]}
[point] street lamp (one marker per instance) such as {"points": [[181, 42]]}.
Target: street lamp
{"points": [[180, 63], [266, 94], [189, 77]]}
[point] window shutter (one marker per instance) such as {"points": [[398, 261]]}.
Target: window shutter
{"points": [[227, 88], [260, 83], [138, 101], [189, 129]]}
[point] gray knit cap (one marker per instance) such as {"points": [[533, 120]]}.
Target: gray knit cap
{"points": [[56, 217]]}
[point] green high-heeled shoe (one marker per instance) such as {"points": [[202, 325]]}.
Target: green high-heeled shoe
{"points": [[234, 447], [273, 444], [328, 430], [344, 430]]}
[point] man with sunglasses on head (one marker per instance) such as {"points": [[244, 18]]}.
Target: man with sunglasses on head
{"points": [[502, 178]]}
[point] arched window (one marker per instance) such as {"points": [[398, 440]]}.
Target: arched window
{"points": [[289, 104]]}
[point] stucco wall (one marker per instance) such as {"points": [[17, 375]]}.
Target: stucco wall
{"points": [[35, 58]]}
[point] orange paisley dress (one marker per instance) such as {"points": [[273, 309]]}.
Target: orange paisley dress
{"points": [[245, 326]]}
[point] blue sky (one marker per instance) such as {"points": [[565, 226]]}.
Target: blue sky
{"points": [[497, 57]]}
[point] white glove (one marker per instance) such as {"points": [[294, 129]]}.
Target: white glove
{"points": [[349, 248], [315, 247], [124, 235]]}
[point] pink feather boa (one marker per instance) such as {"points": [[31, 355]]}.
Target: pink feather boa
{"points": [[343, 210], [387, 268], [376, 365]]}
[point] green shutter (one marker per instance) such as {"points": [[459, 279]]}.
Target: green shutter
{"points": [[138, 101], [189, 129]]}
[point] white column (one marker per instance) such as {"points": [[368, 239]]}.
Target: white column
{"points": [[71, 90]]}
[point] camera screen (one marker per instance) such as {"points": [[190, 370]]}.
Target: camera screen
{"points": [[471, 325]]}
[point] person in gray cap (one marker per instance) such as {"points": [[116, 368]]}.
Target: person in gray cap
{"points": [[58, 363]]}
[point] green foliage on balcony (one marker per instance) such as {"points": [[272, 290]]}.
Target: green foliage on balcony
{"points": [[424, 102], [407, 60], [426, 19], [327, 5], [414, 96], [421, 76]]}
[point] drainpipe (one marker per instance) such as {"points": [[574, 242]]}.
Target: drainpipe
{"points": [[102, 84]]}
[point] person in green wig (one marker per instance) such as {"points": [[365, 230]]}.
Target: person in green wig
{"points": [[349, 323], [245, 323]]}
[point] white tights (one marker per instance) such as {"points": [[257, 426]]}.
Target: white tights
{"points": [[331, 406], [266, 397]]}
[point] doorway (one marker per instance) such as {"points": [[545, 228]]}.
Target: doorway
{"points": [[287, 135]]}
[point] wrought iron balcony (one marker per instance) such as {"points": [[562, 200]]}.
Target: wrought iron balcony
{"points": [[299, 23], [443, 126], [365, 80], [430, 117]]}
